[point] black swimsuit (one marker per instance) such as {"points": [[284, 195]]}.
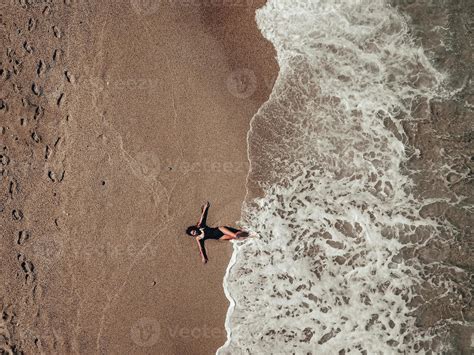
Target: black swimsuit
{"points": [[215, 233], [212, 233]]}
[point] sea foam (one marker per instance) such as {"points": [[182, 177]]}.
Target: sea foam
{"points": [[326, 271]]}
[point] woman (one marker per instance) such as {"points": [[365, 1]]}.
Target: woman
{"points": [[202, 232]]}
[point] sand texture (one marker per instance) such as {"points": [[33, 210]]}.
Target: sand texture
{"points": [[118, 120]]}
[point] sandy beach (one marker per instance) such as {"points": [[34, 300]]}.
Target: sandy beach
{"points": [[119, 119]]}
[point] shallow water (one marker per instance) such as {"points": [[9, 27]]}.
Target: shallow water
{"points": [[332, 266]]}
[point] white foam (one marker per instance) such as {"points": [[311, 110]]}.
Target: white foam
{"points": [[326, 272]]}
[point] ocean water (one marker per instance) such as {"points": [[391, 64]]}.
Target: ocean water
{"points": [[330, 268]]}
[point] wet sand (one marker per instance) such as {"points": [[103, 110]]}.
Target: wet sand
{"points": [[119, 119]]}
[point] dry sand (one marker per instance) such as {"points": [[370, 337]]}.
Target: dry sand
{"points": [[118, 119]]}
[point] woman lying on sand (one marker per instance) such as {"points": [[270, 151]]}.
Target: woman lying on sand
{"points": [[202, 232]]}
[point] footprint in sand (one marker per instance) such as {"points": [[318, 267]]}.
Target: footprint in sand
{"points": [[40, 68], [47, 10], [23, 237], [60, 99], [31, 24], [36, 138], [39, 113], [13, 188], [37, 90], [5, 74], [28, 48], [70, 77], [4, 160], [57, 54], [27, 267], [57, 32], [47, 152], [17, 215], [56, 177], [3, 106]]}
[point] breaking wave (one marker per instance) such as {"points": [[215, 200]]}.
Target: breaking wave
{"points": [[331, 266]]}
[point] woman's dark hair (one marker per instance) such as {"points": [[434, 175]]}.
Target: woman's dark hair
{"points": [[190, 229]]}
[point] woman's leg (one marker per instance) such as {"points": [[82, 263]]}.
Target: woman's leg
{"points": [[229, 231], [232, 233], [227, 237]]}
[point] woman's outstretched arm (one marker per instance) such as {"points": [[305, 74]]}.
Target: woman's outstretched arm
{"points": [[203, 220], [202, 249]]}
